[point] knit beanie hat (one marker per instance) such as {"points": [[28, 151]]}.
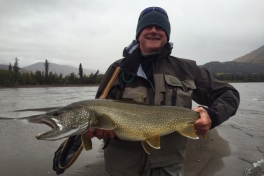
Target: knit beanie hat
{"points": [[153, 16]]}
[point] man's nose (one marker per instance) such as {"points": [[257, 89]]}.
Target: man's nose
{"points": [[153, 29]]}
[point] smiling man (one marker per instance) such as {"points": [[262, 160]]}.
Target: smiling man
{"points": [[148, 69], [152, 39], [153, 30]]}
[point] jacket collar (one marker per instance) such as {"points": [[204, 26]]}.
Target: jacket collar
{"points": [[133, 56]]}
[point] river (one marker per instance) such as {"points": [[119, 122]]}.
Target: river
{"points": [[244, 131]]}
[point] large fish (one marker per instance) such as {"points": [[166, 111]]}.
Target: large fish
{"points": [[129, 121]]}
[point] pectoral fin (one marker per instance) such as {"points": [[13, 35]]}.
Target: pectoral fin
{"points": [[87, 143], [139, 98], [104, 122], [188, 130]]}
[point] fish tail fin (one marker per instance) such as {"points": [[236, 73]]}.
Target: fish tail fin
{"points": [[188, 130]]}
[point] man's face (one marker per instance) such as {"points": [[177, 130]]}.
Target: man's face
{"points": [[152, 39]]}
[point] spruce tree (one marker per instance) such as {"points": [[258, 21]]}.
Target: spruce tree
{"points": [[81, 72], [46, 65], [10, 67], [16, 70], [16, 67]]}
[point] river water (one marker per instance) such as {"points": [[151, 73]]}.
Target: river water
{"points": [[244, 131], [15, 99]]}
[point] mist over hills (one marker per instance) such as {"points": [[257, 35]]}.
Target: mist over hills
{"points": [[256, 56], [56, 68], [5, 67], [251, 63]]}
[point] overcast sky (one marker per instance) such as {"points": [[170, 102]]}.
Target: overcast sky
{"points": [[95, 32]]}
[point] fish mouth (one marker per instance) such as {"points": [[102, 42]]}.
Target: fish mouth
{"points": [[49, 122]]}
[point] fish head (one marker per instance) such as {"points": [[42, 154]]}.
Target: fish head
{"points": [[66, 121]]}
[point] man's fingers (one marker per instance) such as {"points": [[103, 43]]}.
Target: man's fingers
{"points": [[203, 124], [90, 133], [100, 134], [108, 134], [111, 134], [201, 132]]}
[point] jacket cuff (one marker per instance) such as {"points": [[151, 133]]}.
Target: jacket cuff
{"points": [[213, 117]]}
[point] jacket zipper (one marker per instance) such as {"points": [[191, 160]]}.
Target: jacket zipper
{"points": [[173, 96]]}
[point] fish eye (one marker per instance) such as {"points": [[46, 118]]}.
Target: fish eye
{"points": [[56, 113]]}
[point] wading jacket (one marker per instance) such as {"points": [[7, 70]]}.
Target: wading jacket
{"points": [[175, 82]]}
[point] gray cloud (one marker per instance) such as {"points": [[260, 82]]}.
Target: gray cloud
{"points": [[94, 33]]}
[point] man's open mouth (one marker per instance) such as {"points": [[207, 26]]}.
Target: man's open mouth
{"points": [[149, 38]]}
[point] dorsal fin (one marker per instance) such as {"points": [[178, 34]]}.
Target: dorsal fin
{"points": [[139, 98]]}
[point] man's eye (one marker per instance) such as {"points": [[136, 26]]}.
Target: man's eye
{"points": [[158, 28]]}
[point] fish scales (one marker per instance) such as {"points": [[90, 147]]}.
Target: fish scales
{"points": [[139, 120], [129, 121]]}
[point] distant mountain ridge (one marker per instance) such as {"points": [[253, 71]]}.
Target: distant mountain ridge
{"points": [[234, 68], [5, 67], [252, 63], [255, 57], [56, 68]]}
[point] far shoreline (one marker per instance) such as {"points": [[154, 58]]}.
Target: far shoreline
{"points": [[50, 85], [80, 85]]}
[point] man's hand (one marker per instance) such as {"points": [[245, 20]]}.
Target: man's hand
{"points": [[100, 134], [203, 124]]}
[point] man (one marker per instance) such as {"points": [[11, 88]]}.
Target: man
{"points": [[148, 68]]}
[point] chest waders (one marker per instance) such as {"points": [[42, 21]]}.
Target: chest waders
{"points": [[145, 156]]}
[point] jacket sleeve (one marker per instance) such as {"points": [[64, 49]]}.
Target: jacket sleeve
{"points": [[222, 99]]}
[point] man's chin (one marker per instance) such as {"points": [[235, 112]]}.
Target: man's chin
{"points": [[154, 48]]}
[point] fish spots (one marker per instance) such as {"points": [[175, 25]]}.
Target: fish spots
{"points": [[134, 122]]}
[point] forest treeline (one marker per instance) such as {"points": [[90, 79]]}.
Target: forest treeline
{"points": [[237, 71], [12, 77], [227, 77]]}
